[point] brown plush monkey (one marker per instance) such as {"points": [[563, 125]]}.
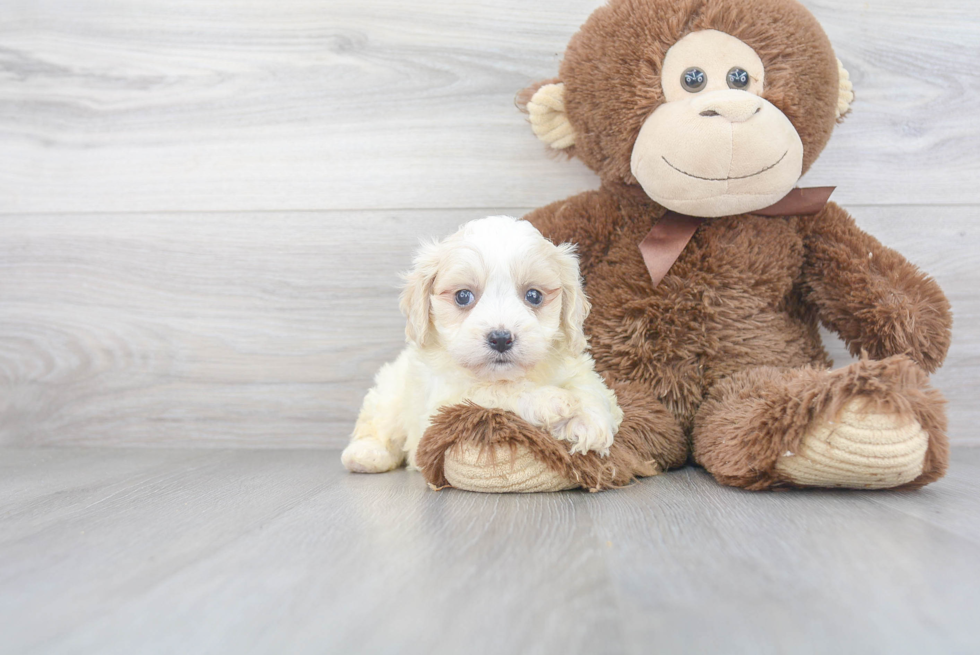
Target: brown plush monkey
{"points": [[700, 116]]}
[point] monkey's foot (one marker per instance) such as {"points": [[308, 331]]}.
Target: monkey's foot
{"points": [[874, 424], [501, 469], [478, 449], [859, 448]]}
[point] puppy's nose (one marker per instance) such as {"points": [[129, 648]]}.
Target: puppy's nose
{"points": [[500, 340]]}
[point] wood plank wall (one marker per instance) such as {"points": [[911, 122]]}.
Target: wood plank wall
{"points": [[204, 204]]}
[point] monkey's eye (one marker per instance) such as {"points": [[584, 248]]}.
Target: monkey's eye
{"points": [[533, 297], [693, 80], [738, 78], [464, 297]]}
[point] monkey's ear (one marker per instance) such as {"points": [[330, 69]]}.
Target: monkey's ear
{"points": [[544, 104], [845, 92]]}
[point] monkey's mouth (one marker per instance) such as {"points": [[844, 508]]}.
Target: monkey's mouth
{"points": [[726, 179]]}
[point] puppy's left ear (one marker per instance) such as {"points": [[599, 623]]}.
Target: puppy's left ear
{"points": [[574, 305], [416, 297]]}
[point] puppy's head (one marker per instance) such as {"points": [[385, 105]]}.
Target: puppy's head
{"points": [[496, 297]]}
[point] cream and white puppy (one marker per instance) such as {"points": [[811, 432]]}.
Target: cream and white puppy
{"points": [[495, 316]]}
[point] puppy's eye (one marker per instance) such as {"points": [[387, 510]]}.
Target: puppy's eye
{"points": [[738, 78], [464, 297], [534, 297], [693, 80]]}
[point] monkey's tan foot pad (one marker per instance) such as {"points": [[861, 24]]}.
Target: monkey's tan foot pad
{"points": [[504, 469], [860, 448]]}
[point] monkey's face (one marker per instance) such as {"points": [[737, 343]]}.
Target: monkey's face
{"points": [[712, 107], [715, 147]]}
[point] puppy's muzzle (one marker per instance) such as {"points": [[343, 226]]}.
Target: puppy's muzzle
{"points": [[500, 340]]}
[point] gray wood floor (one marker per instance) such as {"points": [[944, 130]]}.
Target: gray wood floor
{"points": [[281, 551]]}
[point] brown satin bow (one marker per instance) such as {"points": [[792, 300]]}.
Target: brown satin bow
{"points": [[666, 240]]}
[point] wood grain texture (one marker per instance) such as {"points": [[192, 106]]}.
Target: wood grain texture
{"points": [[161, 105], [258, 329], [266, 329], [283, 551]]}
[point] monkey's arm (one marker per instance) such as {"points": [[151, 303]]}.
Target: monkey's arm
{"points": [[870, 295], [586, 220]]}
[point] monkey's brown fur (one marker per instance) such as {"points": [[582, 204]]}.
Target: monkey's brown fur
{"points": [[723, 357]]}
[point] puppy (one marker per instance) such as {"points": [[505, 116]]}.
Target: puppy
{"points": [[495, 316]]}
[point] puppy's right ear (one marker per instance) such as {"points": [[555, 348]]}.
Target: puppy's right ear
{"points": [[416, 297]]}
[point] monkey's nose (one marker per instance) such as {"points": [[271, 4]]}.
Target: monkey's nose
{"points": [[734, 106], [500, 340]]}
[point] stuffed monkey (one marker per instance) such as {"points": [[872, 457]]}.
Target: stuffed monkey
{"points": [[709, 272]]}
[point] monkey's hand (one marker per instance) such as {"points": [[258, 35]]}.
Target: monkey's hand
{"points": [[872, 296]]}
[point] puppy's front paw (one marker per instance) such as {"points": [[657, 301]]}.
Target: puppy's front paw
{"points": [[368, 456], [549, 407], [587, 431], [561, 407]]}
